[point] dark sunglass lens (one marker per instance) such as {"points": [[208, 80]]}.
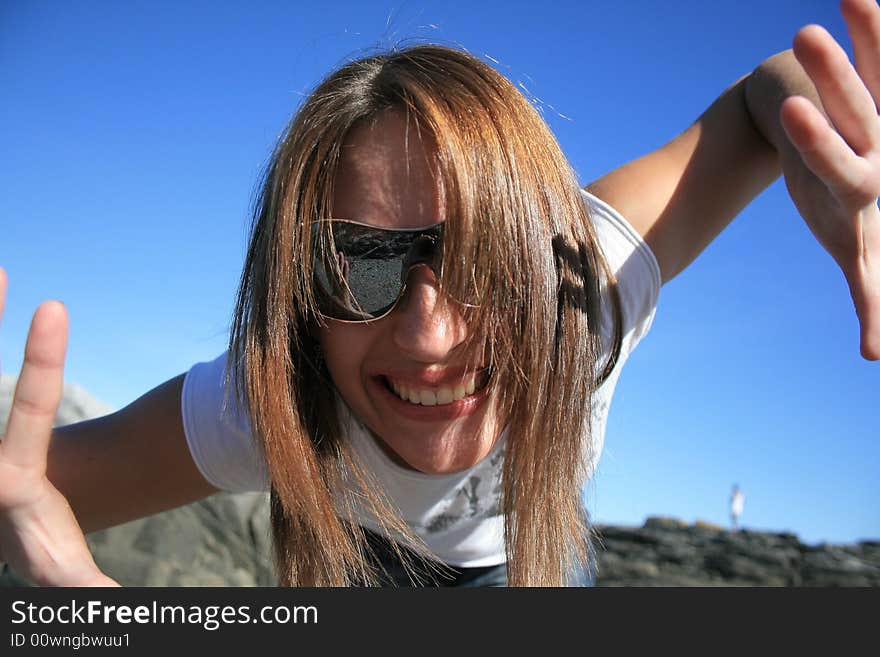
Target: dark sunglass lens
{"points": [[362, 280], [424, 250], [375, 282], [364, 277]]}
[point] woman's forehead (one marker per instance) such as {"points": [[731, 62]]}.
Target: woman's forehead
{"points": [[386, 175]]}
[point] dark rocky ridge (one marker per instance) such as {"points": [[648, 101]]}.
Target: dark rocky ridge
{"points": [[668, 552], [225, 541]]}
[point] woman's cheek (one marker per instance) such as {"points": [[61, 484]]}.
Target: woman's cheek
{"points": [[345, 348]]}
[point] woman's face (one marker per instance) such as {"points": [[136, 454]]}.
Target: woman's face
{"points": [[386, 179]]}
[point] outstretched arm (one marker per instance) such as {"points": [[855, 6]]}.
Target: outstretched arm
{"points": [[773, 121], [138, 454]]}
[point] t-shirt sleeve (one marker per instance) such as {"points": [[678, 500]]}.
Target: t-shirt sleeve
{"points": [[218, 432], [638, 286], [637, 272]]}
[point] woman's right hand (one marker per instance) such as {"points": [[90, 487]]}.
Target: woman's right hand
{"points": [[40, 537]]}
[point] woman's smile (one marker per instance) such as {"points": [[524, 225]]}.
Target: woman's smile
{"points": [[416, 400]]}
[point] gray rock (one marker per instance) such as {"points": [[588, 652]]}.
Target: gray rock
{"points": [[664, 522]]}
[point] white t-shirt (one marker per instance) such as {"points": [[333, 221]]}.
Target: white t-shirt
{"points": [[458, 515]]}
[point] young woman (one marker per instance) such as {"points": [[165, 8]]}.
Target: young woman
{"points": [[432, 319]]}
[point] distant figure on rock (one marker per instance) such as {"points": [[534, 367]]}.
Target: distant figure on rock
{"points": [[737, 499]]}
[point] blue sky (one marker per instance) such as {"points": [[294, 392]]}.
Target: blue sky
{"points": [[133, 135]]}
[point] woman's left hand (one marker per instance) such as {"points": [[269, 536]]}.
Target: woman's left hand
{"points": [[833, 172]]}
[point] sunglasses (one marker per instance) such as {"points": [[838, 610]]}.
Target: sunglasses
{"points": [[360, 273]]}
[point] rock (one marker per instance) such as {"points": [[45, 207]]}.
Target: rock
{"points": [[670, 553], [664, 522]]}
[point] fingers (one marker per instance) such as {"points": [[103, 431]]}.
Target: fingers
{"points": [[869, 324], [844, 95], [863, 20], [863, 276], [39, 388], [865, 290], [850, 178]]}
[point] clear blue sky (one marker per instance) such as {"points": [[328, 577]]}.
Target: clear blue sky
{"points": [[133, 133]]}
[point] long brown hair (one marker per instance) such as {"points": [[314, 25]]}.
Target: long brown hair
{"points": [[519, 250]]}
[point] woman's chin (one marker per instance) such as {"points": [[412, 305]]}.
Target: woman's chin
{"points": [[440, 450], [434, 462]]}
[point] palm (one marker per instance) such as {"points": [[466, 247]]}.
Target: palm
{"points": [[40, 537]]}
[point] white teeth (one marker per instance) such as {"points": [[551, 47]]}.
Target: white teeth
{"points": [[434, 397]]}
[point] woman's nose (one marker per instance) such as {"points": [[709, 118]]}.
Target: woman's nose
{"points": [[426, 328]]}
